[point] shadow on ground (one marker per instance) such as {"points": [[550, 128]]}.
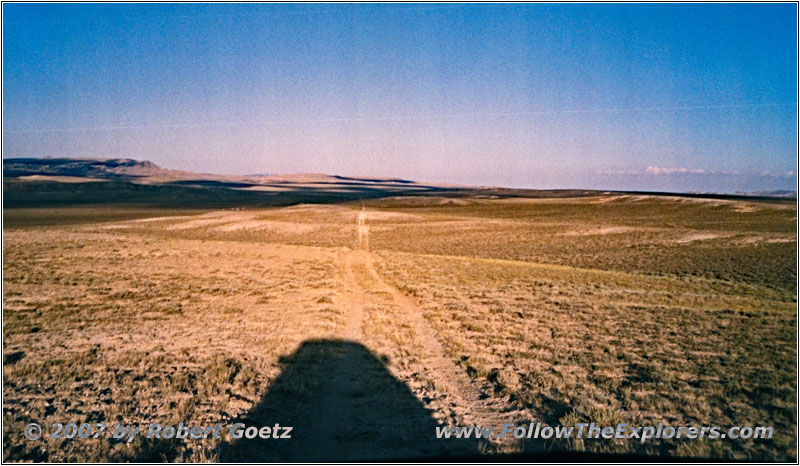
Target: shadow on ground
{"points": [[343, 405]]}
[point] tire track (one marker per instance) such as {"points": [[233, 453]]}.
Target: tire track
{"points": [[471, 406]]}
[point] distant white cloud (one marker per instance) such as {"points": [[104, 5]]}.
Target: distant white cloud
{"points": [[671, 171], [779, 174], [661, 171]]}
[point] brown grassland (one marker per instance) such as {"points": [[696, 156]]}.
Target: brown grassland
{"points": [[457, 311]]}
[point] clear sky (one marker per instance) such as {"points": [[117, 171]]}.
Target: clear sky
{"points": [[675, 97]]}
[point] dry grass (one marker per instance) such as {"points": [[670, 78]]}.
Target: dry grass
{"points": [[576, 345], [581, 309], [128, 328]]}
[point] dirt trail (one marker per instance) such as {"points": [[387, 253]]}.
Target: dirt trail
{"points": [[361, 407], [363, 231], [361, 411], [338, 435], [367, 288]]}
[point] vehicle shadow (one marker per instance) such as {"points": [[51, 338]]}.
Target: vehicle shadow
{"points": [[342, 404]]}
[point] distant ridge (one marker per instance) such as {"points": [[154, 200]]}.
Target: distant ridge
{"points": [[63, 181], [146, 171], [142, 172], [778, 193], [77, 167]]}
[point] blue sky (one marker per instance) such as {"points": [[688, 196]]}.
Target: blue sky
{"points": [[675, 97]]}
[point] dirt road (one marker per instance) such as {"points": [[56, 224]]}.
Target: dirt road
{"points": [[363, 404], [363, 231], [457, 399]]}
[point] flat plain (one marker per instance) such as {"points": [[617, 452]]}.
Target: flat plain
{"points": [[365, 324]]}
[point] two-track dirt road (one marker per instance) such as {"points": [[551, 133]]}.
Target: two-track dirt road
{"points": [[364, 405], [458, 400]]}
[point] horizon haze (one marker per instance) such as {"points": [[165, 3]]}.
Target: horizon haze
{"points": [[656, 97]]}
